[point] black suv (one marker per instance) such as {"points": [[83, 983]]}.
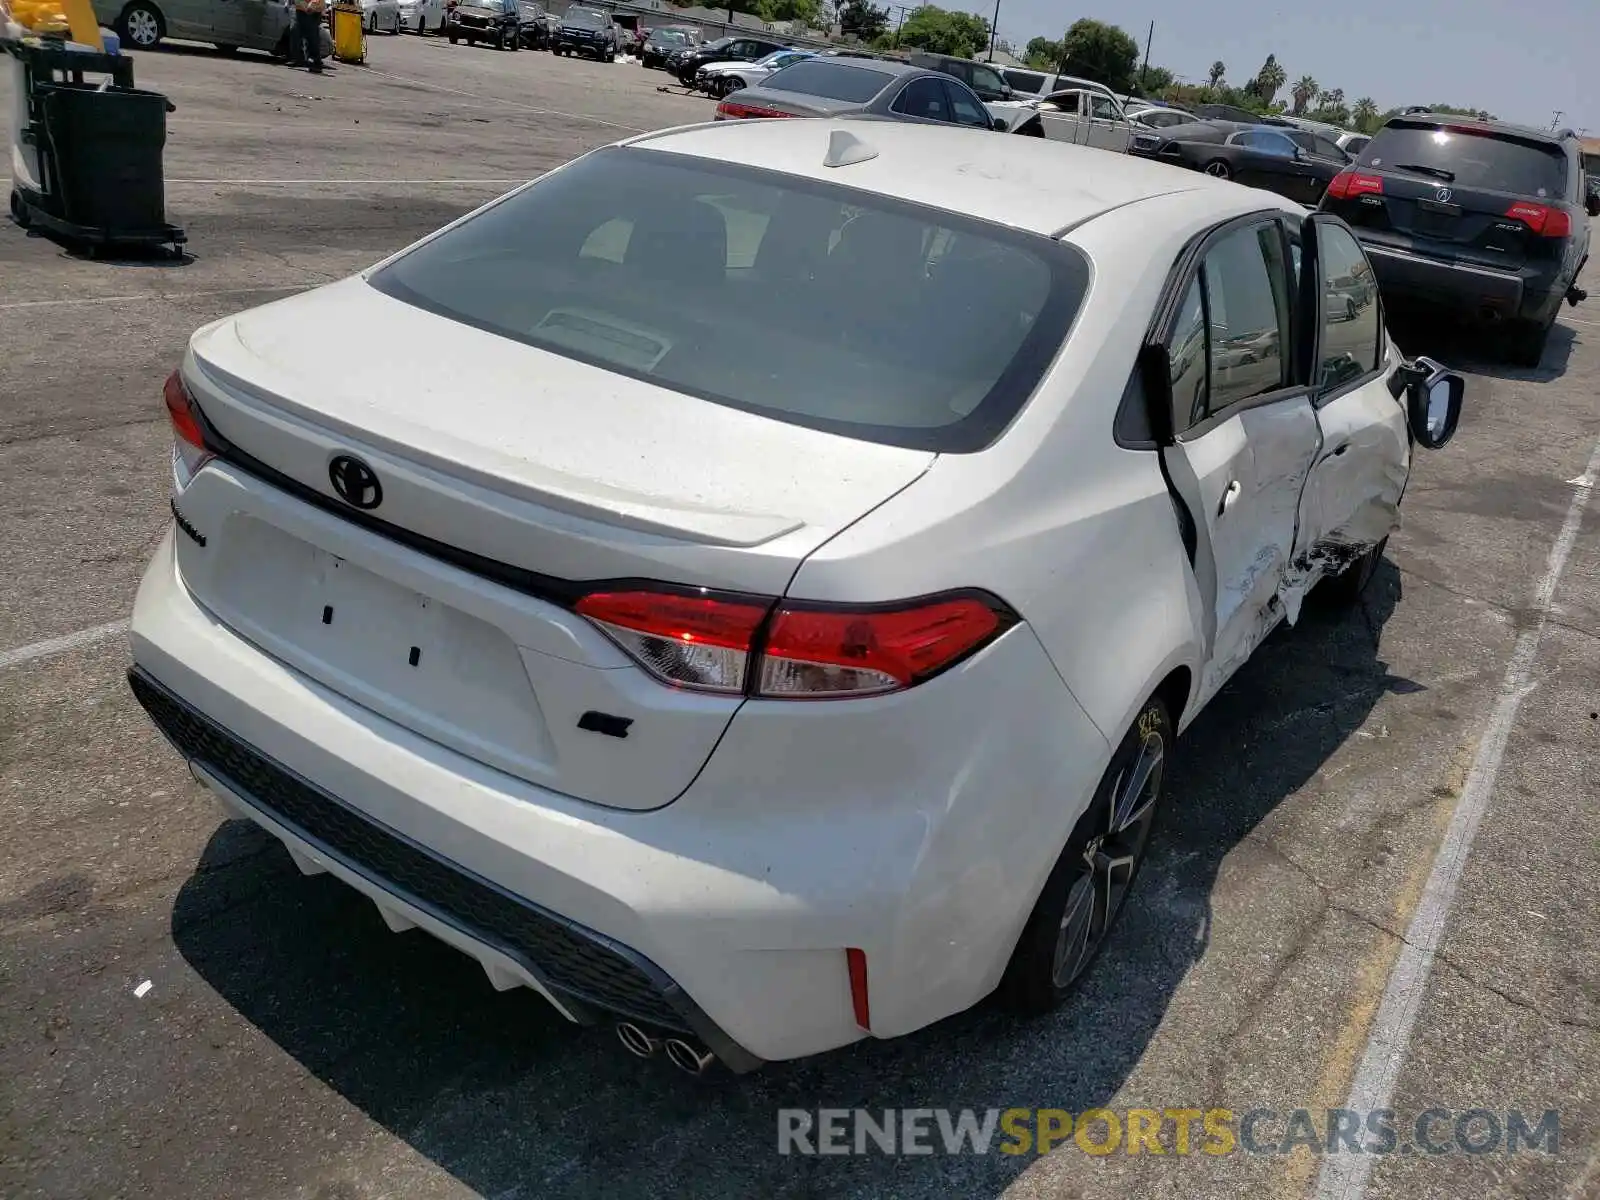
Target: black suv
{"points": [[727, 49], [492, 21], [982, 78], [586, 31], [1486, 219]]}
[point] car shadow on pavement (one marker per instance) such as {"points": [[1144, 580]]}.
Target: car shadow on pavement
{"points": [[1477, 350], [511, 1100]]}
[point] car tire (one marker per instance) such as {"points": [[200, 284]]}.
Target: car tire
{"points": [[226, 48], [1095, 873], [141, 25], [1525, 342], [733, 85], [19, 209], [1218, 168], [1030, 128], [453, 37], [1345, 589]]}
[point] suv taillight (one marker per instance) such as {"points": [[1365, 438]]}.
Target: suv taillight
{"points": [[1347, 185], [1541, 218], [733, 110], [189, 449], [792, 650]]}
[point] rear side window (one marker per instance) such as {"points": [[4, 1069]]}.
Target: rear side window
{"points": [[835, 81], [805, 301], [1025, 81], [1469, 159]]}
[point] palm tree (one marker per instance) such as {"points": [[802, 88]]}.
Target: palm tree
{"points": [[1365, 114], [1331, 99], [1304, 91], [1218, 70], [1269, 79]]}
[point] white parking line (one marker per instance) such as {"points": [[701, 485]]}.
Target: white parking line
{"points": [[60, 645], [544, 112], [1345, 1176], [154, 296]]}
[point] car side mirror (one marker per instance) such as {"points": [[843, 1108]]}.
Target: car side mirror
{"points": [[1433, 398], [998, 124]]}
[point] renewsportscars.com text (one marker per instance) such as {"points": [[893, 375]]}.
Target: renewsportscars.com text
{"points": [[1167, 1131]]}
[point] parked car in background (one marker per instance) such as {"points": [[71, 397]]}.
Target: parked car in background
{"points": [[1087, 116], [724, 49], [1485, 220], [534, 24], [719, 79], [659, 44], [835, 87], [1227, 112], [422, 16], [1352, 143], [802, 742], [1282, 159], [586, 31], [983, 78], [494, 22], [1156, 116], [375, 14], [226, 24]]}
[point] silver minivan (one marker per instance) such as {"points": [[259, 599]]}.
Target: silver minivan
{"points": [[227, 24]]}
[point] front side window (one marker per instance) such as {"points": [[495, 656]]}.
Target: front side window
{"points": [[986, 79], [804, 301], [1186, 354], [1247, 313], [1065, 102], [1101, 108], [1352, 318]]}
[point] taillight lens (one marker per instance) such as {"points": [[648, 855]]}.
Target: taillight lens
{"points": [[707, 643], [733, 110], [189, 450], [1347, 185], [693, 641], [831, 652], [1542, 219]]}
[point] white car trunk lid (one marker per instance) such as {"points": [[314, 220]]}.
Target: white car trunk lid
{"points": [[500, 464]]}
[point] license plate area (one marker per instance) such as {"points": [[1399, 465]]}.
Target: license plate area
{"points": [[441, 672]]}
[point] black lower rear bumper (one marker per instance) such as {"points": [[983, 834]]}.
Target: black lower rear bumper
{"points": [[1465, 288], [590, 972]]}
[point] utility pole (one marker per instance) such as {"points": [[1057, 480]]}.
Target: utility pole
{"points": [[1145, 70], [902, 9], [994, 29], [1555, 118]]}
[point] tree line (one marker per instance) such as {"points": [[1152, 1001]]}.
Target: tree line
{"points": [[1108, 54]]}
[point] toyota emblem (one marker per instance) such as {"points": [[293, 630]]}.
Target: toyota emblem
{"points": [[1442, 195], [355, 482]]}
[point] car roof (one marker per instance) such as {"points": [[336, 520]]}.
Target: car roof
{"points": [[1044, 187]]}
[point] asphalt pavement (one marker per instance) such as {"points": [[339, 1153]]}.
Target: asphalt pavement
{"points": [[288, 1045]]}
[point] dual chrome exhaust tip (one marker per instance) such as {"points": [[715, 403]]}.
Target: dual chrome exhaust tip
{"points": [[689, 1057]]}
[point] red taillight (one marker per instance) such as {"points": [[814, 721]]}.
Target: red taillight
{"points": [[1542, 219], [694, 641], [180, 407], [189, 449], [802, 651], [856, 963], [1347, 185], [733, 110], [832, 652]]}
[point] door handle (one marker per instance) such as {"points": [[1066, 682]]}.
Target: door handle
{"points": [[1228, 497]]}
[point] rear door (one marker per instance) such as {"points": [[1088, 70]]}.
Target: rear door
{"points": [[1266, 160], [1246, 433], [966, 108], [1467, 193], [1352, 497], [923, 99]]}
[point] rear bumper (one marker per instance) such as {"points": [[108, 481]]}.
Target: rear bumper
{"points": [[1462, 287], [919, 830]]}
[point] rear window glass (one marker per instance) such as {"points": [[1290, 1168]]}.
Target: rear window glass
{"points": [[1473, 160], [1026, 81], [585, 17], [808, 302], [854, 85]]}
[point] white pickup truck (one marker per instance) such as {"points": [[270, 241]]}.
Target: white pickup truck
{"points": [[1074, 110]]}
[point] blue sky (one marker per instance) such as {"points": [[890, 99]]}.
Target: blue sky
{"points": [[1521, 61]]}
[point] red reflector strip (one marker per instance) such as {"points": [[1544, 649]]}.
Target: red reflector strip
{"points": [[740, 112], [856, 961], [180, 407]]}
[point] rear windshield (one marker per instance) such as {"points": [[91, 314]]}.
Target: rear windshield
{"points": [[660, 36], [835, 81], [1474, 160], [1025, 81], [808, 302], [586, 17]]}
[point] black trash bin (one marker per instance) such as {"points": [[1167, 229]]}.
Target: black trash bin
{"points": [[105, 147]]}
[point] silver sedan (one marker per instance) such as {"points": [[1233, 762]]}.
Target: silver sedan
{"points": [[831, 87]]}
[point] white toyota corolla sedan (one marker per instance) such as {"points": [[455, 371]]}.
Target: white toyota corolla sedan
{"points": [[754, 595]]}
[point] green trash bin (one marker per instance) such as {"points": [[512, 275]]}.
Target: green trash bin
{"points": [[105, 149]]}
